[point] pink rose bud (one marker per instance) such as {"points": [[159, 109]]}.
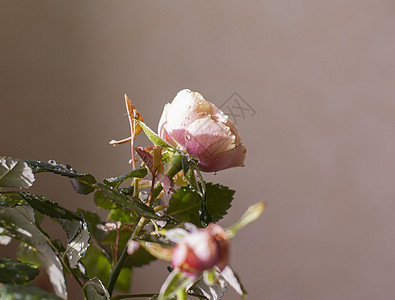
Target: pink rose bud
{"points": [[202, 250], [198, 127]]}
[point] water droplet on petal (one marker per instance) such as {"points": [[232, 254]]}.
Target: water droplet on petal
{"points": [[188, 137]]}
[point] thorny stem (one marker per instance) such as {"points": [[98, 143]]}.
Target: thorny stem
{"points": [[132, 123], [120, 263], [204, 214], [138, 225], [151, 190], [173, 168]]}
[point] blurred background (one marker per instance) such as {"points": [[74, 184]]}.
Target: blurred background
{"points": [[317, 80]]}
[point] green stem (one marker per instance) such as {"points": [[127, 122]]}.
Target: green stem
{"points": [[120, 263], [204, 214], [174, 167], [181, 294], [135, 187]]}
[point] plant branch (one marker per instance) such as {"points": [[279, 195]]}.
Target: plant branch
{"points": [[120, 263]]}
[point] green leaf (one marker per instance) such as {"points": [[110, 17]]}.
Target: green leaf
{"points": [[158, 250], [102, 201], [24, 292], [15, 173], [19, 222], [110, 198], [97, 265], [213, 291], [252, 213], [95, 225], [39, 203], [139, 258], [16, 272], [77, 240], [80, 187], [154, 138], [11, 199], [185, 203], [124, 280], [27, 253], [95, 290], [233, 279], [117, 181], [84, 184], [121, 215], [219, 198], [174, 282]]}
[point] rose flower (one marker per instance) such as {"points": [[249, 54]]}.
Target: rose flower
{"points": [[198, 127]]}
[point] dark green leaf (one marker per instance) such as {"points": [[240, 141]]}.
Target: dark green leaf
{"points": [[19, 222], [95, 290], [139, 258], [97, 265], [95, 225], [124, 280], [86, 181], [16, 272], [24, 292], [185, 203], [39, 203], [15, 173], [110, 198], [28, 254], [219, 198], [117, 181], [77, 240], [102, 201], [11, 199], [80, 187], [121, 215]]}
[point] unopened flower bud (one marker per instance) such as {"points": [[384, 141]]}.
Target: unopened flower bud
{"points": [[202, 250]]}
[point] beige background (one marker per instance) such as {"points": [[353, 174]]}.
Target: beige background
{"points": [[319, 74]]}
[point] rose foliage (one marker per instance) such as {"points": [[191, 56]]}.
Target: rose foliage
{"points": [[161, 209]]}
